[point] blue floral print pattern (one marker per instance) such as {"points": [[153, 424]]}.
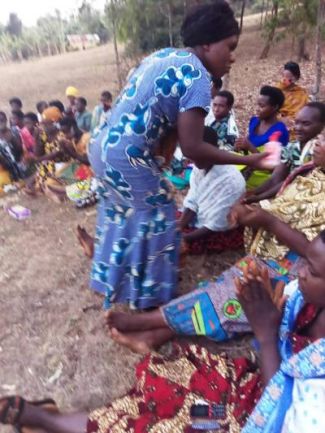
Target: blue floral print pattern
{"points": [[136, 251]]}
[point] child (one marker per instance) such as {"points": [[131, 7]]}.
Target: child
{"points": [[82, 116], [211, 195], [41, 106], [101, 111], [224, 123], [16, 104]]}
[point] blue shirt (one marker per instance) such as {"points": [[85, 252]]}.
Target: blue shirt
{"points": [[261, 140]]}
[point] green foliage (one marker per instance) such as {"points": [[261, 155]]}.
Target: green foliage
{"points": [[48, 36]]}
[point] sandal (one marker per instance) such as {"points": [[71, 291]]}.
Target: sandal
{"points": [[12, 407]]}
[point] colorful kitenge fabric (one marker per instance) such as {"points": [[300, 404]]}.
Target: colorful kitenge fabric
{"points": [[8, 162], [282, 409], [227, 131], [294, 155], [137, 242], [300, 204], [167, 386], [212, 310]]}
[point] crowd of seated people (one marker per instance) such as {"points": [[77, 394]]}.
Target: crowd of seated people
{"points": [[275, 291]]}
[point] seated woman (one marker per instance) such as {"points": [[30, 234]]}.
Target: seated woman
{"points": [[213, 192], [262, 129], [281, 393], [11, 152], [80, 185], [309, 123], [296, 97], [212, 310]]}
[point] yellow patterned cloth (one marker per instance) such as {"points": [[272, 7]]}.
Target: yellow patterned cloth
{"points": [[296, 97], [301, 205], [167, 387]]}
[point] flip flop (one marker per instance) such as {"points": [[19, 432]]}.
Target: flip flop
{"points": [[12, 407]]}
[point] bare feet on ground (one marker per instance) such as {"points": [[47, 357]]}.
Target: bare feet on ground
{"points": [[86, 241]]}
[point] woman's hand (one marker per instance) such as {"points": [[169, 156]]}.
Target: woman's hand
{"points": [[68, 148], [263, 306]]}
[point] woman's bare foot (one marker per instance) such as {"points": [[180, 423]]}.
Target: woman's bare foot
{"points": [[53, 195], [134, 341], [142, 342], [135, 322], [86, 241]]}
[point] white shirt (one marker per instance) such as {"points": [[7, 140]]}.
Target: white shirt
{"points": [[212, 194]]}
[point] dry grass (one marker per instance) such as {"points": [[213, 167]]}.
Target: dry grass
{"points": [[90, 71], [52, 340]]}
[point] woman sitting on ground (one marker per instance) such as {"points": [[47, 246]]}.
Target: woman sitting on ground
{"points": [[11, 152], [283, 392], [309, 123], [262, 129], [79, 185], [212, 310], [296, 97]]}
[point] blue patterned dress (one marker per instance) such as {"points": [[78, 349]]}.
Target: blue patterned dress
{"points": [[136, 253]]}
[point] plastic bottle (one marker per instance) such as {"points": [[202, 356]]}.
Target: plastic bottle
{"points": [[273, 148]]}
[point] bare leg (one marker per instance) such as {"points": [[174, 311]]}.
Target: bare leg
{"points": [[143, 342], [129, 322], [86, 241], [33, 416]]}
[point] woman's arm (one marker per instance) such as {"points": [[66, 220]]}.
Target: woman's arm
{"points": [[197, 234], [255, 217], [254, 291], [190, 127]]}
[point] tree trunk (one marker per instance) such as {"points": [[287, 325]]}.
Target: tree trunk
{"points": [[320, 26], [262, 13], [302, 54], [243, 6], [269, 41], [117, 55], [170, 24]]}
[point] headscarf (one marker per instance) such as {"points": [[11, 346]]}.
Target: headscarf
{"points": [[72, 91], [52, 114]]}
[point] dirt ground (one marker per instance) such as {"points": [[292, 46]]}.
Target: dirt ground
{"points": [[52, 340]]}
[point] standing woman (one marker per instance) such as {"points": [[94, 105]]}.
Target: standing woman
{"points": [[137, 242]]}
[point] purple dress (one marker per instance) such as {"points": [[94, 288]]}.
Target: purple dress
{"points": [[137, 244]]}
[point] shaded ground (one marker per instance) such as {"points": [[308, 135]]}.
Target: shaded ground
{"points": [[52, 341]]}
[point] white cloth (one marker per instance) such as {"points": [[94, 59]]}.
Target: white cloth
{"points": [[212, 194], [307, 411]]}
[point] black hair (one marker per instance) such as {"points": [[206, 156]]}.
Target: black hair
{"points": [[58, 104], [209, 23], [275, 95], [31, 116], [17, 101], [294, 68], [228, 95], [40, 104], [217, 82], [210, 136], [3, 114], [69, 122], [320, 106], [107, 95], [18, 113], [83, 100]]}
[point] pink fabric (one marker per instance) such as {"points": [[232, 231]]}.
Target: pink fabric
{"points": [[28, 140]]}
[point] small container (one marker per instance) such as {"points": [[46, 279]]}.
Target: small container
{"points": [[274, 148], [18, 212]]}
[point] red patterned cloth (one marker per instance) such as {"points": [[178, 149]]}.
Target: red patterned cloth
{"points": [[167, 386]]}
